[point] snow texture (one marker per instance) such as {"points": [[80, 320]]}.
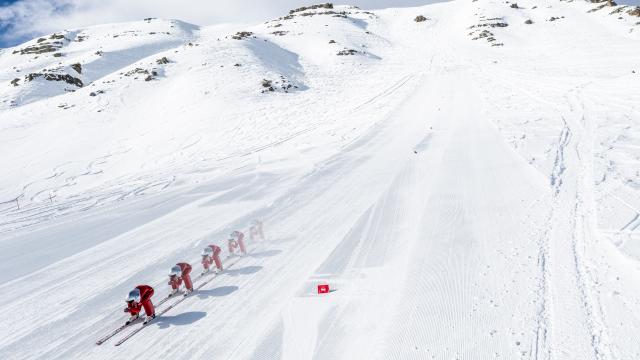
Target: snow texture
{"points": [[468, 185]]}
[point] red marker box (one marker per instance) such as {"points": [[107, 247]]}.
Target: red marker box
{"points": [[323, 289]]}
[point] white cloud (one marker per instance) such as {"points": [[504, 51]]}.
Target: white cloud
{"points": [[28, 18]]}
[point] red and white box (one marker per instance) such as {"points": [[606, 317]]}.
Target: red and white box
{"points": [[323, 289]]}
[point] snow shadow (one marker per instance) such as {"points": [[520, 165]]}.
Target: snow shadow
{"points": [[247, 270], [186, 318], [217, 292], [265, 254]]}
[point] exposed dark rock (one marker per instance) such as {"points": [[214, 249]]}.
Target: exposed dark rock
{"points": [[282, 85], [528, 22], [514, 6], [37, 49], [241, 35], [346, 52], [140, 71], [280, 33], [634, 12], [56, 37], [312, 7], [41, 40], [491, 25], [420, 18], [14, 82], [56, 77], [77, 67], [332, 41], [162, 60], [597, 8], [99, 53], [57, 55]]}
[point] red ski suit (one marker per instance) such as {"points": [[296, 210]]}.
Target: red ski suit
{"points": [[146, 292], [176, 281], [256, 231], [237, 240], [215, 257]]}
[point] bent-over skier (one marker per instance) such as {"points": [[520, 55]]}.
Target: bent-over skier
{"points": [[256, 230], [139, 298], [237, 241], [211, 255], [179, 275]]}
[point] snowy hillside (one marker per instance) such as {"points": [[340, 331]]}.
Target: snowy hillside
{"points": [[465, 176]]}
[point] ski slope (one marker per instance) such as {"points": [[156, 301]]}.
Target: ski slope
{"points": [[463, 200]]}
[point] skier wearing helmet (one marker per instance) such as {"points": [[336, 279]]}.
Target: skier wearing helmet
{"points": [[237, 241], [210, 255], [256, 230], [179, 275], [139, 298]]}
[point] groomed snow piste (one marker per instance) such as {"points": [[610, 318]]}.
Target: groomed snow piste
{"points": [[468, 185]]}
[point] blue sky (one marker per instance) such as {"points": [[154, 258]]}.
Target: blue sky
{"points": [[6, 28]]}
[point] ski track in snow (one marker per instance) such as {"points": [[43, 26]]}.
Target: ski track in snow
{"points": [[463, 200]]}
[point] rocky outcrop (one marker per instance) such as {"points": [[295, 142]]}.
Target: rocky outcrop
{"points": [[163, 60], [77, 67], [43, 45], [242, 35], [312, 7], [55, 77], [347, 52]]}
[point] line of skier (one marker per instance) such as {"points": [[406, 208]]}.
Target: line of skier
{"points": [[180, 275]]}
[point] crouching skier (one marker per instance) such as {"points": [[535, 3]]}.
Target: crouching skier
{"points": [[179, 275], [255, 231], [237, 241], [140, 298], [211, 255]]}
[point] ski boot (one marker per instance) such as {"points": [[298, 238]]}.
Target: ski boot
{"points": [[132, 319], [149, 318]]}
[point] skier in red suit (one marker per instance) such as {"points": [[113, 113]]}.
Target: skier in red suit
{"points": [[211, 255], [179, 275], [140, 298], [256, 230], [237, 241]]}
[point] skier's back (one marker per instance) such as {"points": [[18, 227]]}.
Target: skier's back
{"points": [[140, 298], [180, 274]]}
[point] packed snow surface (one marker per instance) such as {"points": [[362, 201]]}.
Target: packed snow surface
{"points": [[468, 185]]}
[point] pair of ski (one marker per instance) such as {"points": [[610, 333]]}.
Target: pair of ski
{"points": [[165, 310]]}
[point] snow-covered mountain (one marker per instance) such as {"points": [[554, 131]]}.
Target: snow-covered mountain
{"points": [[465, 176]]}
